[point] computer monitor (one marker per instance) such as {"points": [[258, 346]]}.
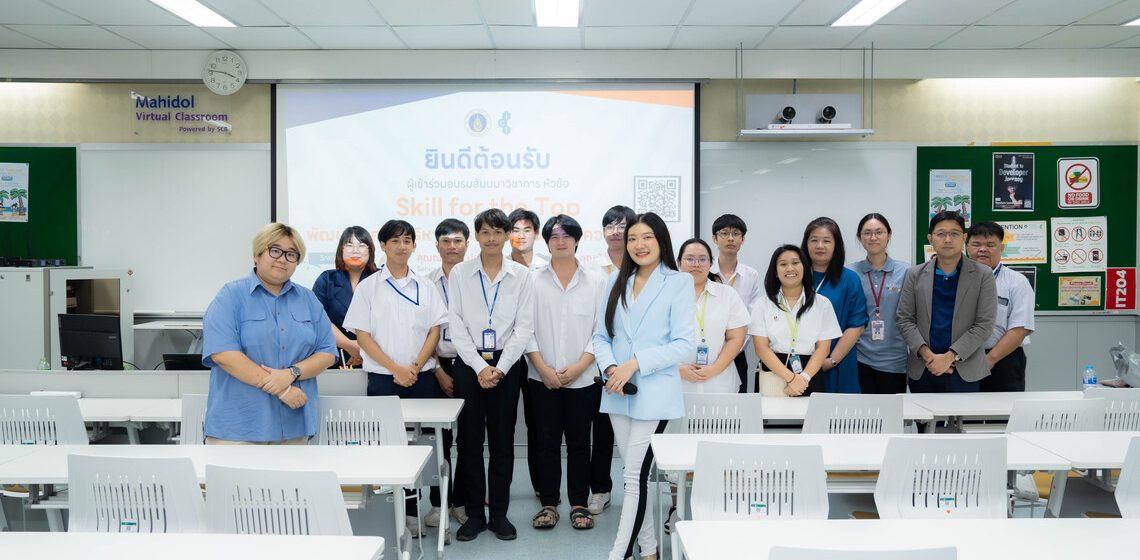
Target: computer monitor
{"points": [[183, 361], [90, 341]]}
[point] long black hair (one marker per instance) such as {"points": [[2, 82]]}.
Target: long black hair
{"points": [[628, 267], [838, 256], [701, 242], [772, 278]]}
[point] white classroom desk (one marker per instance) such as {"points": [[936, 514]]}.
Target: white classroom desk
{"points": [[1084, 450], [788, 408], [185, 546], [954, 407], [192, 326], [976, 539]]}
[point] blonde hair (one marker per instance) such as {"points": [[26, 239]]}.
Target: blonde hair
{"points": [[270, 233]]}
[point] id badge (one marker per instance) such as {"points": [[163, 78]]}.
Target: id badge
{"points": [[446, 334], [489, 339], [795, 364], [702, 355], [878, 330]]}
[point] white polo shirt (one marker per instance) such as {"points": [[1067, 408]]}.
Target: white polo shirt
{"points": [[722, 310], [1015, 304], [745, 280], [512, 317], [397, 314], [816, 324], [564, 320], [445, 348]]}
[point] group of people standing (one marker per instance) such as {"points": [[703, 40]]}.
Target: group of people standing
{"points": [[601, 354]]}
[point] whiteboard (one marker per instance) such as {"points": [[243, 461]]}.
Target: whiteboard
{"points": [[179, 216], [778, 187]]}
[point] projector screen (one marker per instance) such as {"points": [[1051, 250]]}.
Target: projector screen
{"points": [[354, 154]]}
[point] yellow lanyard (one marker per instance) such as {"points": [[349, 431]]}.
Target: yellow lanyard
{"points": [[701, 316], [792, 328], [733, 281]]}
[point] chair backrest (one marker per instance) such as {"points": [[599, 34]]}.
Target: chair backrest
{"points": [[134, 495], [751, 481], [788, 553], [193, 420], [361, 421], [1121, 407], [720, 413], [271, 502], [926, 477], [834, 413], [1059, 415], [41, 420], [1128, 485]]}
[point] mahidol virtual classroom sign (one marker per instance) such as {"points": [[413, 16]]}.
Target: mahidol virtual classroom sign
{"points": [[180, 111]]}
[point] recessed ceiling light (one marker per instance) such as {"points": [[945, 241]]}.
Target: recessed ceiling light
{"points": [[788, 161], [194, 12], [1134, 22], [556, 13], [866, 12]]}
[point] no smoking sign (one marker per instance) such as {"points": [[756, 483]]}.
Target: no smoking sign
{"points": [[1078, 182]]}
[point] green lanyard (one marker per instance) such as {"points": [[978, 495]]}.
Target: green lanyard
{"points": [[793, 328], [701, 316]]}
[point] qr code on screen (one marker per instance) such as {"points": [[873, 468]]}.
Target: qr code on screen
{"points": [[661, 195]]}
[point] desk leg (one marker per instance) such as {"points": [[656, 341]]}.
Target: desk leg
{"points": [[931, 425], [402, 541], [445, 511], [682, 513], [132, 432], [1056, 493]]}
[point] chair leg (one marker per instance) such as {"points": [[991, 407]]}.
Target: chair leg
{"points": [[55, 520]]}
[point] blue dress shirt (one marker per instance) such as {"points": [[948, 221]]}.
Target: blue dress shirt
{"points": [[942, 308], [334, 290]]}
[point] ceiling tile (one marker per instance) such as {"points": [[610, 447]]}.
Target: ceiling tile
{"points": [[1116, 14], [629, 37], [247, 13], [610, 13], [162, 37], [817, 12], [507, 12], [1133, 43], [262, 38], [903, 36], [356, 37], [941, 12], [341, 12], [739, 12], [445, 36], [36, 12], [119, 12], [441, 12], [11, 40], [1051, 12], [718, 37], [527, 37], [810, 37], [75, 36], [995, 36], [1085, 37]]}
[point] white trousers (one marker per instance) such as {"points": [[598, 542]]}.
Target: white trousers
{"points": [[637, 523]]}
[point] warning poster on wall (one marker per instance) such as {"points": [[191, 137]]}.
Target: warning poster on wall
{"points": [[1078, 244], [1078, 183], [1025, 242], [1078, 291]]}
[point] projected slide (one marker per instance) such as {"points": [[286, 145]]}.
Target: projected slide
{"points": [[364, 154]]}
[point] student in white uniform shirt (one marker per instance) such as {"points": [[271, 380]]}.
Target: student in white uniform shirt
{"points": [[397, 318], [524, 231], [561, 385], [728, 234], [1005, 356], [614, 222], [722, 322], [451, 243], [791, 328], [490, 320]]}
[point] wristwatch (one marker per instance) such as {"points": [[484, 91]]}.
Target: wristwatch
{"points": [[296, 371], [957, 356]]}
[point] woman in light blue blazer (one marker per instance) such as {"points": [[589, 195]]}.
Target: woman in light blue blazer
{"points": [[645, 329]]}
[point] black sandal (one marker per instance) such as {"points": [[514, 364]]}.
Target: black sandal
{"points": [[581, 519], [546, 518]]}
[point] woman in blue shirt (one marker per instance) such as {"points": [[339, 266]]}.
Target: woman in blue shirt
{"points": [[646, 327], [355, 261], [823, 244], [881, 348], [266, 339]]}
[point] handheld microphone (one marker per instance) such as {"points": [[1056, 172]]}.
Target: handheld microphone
{"points": [[628, 388]]}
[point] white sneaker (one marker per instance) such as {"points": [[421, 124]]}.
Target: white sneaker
{"points": [[413, 524], [459, 513], [432, 518], [598, 502]]}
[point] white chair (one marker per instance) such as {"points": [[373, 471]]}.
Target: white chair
{"points": [[720, 413], [1060, 415], [789, 553], [751, 481], [134, 495], [833, 413], [925, 477], [193, 420], [1121, 408], [361, 421], [270, 502], [41, 420], [1128, 486]]}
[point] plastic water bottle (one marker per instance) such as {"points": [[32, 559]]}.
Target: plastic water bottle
{"points": [[44, 364], [1089, 376]]}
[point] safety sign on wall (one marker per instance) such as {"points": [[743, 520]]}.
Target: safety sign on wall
{"points": [[1078, 244], [1078, 182]]}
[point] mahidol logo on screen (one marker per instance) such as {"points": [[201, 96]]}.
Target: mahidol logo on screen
{"points": [[478, 122]]}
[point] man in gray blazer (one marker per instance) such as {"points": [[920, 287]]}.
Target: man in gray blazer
{"points": [[946, 312]]}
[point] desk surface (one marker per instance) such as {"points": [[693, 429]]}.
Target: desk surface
{"points": [[784, 408], [170, 324], [841, 452], [425, 411], [186, 546], [976, 539], [380, 465], [1085, 450], [120, 410], [980, 404]]}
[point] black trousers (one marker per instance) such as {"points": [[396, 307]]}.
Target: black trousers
{"points": [[877, 382], [558, 413], [425, 387], [531, 434], [488, 415], [453, 498], [1008, 374], [601, 450]]}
